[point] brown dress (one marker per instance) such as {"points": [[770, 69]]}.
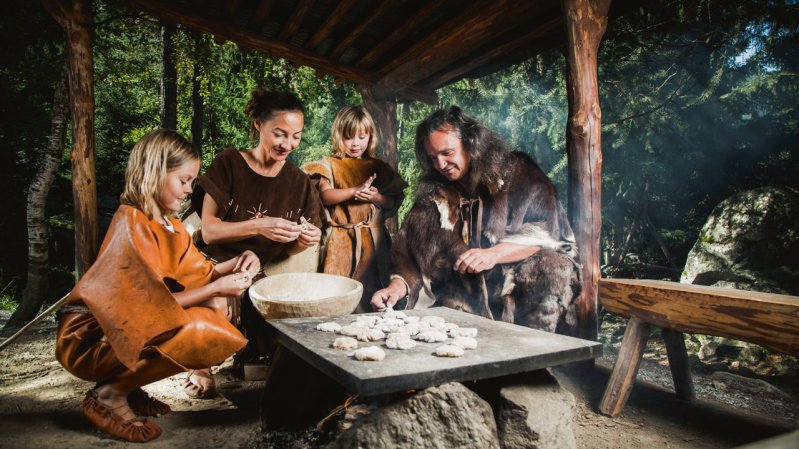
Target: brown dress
{"points": [[122, 315], [358, 245], [243, 194]]}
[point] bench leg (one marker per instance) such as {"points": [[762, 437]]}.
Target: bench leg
{"points": [[678, 363], [626, 367]]}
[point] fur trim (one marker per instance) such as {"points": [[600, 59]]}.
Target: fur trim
{"points": [[443, 206], [534, 234]]}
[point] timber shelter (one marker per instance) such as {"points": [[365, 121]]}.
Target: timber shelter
{"points": [[393, 51]]}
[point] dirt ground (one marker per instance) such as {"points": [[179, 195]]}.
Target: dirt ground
{"points": [[40, 407]]}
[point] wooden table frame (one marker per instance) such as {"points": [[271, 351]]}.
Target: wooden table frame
{"points": [[766, 319]]}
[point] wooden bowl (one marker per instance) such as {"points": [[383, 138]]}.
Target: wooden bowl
{"points": [[296, 295]]}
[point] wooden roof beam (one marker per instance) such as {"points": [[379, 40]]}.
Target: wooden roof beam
{"points": [[451, 42], [339, 49], [342, 9], [261, 13], [386, 44], [252, 40], [297, 16], [486, 57]]}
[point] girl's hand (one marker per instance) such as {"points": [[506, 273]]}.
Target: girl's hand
{"points": [[310, 234], [233, 285], [366, 185], [279, 229], [371, 195], [248, 263]]}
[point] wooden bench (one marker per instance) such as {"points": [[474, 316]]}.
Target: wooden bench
{"points": [[766, 319]]}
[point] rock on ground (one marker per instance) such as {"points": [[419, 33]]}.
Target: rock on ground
{"points": [[536, 415], [447, 416]]}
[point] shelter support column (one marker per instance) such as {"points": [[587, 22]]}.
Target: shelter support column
{"points": [[585, 22], [384, 113], [75, 17]]}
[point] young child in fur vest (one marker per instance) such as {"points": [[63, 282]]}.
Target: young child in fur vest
{"points": [[359, 192]]}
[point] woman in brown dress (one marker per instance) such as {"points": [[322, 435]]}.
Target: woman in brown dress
{"points": [[257, 200]]}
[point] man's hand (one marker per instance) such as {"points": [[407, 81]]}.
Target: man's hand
{"points": [[475, 260], [387, 297]]}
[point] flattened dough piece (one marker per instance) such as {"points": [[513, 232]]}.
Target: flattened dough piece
{"points": [[465, 342], [448, 351], [370, 354], [432, 336], [328, 327], [464, 332], [345, 343], [400, 341]]}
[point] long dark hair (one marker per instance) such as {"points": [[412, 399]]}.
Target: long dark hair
{"points": [[264, 104], [487, 149]]}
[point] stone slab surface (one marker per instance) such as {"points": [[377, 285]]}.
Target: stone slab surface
{"points": [[502, 349]]}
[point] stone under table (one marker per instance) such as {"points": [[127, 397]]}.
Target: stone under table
{"points": [[309, 376]]}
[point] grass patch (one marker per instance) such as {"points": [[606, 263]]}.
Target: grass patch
{"points": [[7, 302]]}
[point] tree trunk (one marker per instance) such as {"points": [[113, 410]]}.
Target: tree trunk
{"points": [[586, 21], [76, 18], [169, 77], [384, 112], [197, 111], [38, 236]]}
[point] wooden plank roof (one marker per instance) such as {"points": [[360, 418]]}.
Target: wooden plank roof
{"points": [[403, 49]]}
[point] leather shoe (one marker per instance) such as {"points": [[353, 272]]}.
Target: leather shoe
{"points": [[114, 425], [145, 405]]}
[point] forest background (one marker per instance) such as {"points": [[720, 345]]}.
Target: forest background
{"points": [[699, 101]]}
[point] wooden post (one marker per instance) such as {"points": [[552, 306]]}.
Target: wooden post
{"points": [[384, 112], [76, 19], [586, 21]]}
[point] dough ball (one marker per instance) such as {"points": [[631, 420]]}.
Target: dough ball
{"points": [[400, 341], [345, 343], [370, 353], [353, 331], [432, 336], [465, 342], [430, 319], [328, 327], [464, 332], [371, 335], [448, 351]]}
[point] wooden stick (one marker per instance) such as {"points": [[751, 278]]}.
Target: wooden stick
{"points": [[34, 322]]}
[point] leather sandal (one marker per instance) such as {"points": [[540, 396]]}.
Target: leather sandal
{"points": [[144, 404], [196, 391], [114, 425]]}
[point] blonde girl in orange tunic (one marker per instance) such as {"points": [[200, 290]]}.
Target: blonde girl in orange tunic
{"points": [[151, 305], [360, 192]]}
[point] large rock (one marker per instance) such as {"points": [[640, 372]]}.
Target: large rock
{"points": [[536, 415], [750, 242], [447, 416]]}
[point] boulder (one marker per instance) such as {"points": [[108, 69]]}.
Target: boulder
{"points": [[749, 242], [536, 415], [446, 416]]}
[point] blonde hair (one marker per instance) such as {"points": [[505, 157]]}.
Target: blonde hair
{"points": [[150, 160], [346, 124]]}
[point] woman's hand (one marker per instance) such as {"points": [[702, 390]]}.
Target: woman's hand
{"points": [[279, 229], [475, 260], [387, 297], [309, 235], [248, 263]]}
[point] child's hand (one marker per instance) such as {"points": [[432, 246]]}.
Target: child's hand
{"points": [[371, 195], [366, 185], [248, 263], [279, 229], [234, 284], [310, 234]]}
